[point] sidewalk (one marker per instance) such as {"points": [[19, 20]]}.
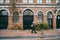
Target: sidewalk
{"points": [[22, 33]]}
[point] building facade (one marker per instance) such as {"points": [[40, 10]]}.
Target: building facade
{"points": [[24, 12]]}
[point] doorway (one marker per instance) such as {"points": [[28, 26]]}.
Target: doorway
{"points": [[3, 19], [28, 18], [58, 21]]}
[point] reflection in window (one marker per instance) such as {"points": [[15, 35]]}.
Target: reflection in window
{"points": [[15, 17], [40, 16]]}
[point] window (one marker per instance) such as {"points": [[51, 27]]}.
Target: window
{"points": [[48, 1], [30, 1], [16, 1], [27, 1], [15, 17], [39, 1], [40, 16], [58, 12], [1, 1], [4, 12], [49, 15], [28, 12], [7, 1], [24, 1], [57, 1]]}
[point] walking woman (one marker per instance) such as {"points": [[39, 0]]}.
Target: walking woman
{"points": [[33, 28]]}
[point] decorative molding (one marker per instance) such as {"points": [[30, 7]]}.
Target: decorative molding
{"points": [[30, 5]]}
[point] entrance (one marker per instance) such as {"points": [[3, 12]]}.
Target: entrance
{"points": [[58, 21], [27, 19], [50, 20], [50, 23], [3, 19]]}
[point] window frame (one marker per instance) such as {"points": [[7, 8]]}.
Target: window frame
{"points": [[39, 1], [27, 1], [48, 1]]}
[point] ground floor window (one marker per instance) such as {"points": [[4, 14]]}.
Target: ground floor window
{"points": [[40, 16], [15, 17]]}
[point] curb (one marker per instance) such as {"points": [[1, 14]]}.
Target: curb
{"points": [[43, 36]]}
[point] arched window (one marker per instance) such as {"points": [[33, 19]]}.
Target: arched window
{"points": [[15, 17], [49, 15], [28, 12], [40, 16], [4, 12]]}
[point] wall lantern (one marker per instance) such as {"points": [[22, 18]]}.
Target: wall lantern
{"points": [[57, 5]]}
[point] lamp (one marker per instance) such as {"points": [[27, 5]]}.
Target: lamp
{"points": [[58, 4]]}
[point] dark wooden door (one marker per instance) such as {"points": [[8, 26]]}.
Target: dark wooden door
{"points": [[50, 23], [3, 20], [58, 22], [27, 21]]}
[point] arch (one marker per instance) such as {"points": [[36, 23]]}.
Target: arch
{"points": [[50, 11], [28, 9], [6, 10], [41, 11]]}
